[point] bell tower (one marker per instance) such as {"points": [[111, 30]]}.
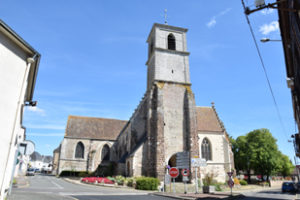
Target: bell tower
{"points": [[171, 127], [168, 59]]}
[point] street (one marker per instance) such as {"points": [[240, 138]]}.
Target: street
{"points": [[268, 194], [50, 187]]}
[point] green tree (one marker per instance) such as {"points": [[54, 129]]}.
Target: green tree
{"points": [[285, 166]]}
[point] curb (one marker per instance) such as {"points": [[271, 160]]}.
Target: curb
{"points": [[238, 196]]}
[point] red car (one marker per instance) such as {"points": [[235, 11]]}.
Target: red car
{"points": [[97, 180]]}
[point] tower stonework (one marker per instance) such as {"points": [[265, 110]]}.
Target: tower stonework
{"points": [[172, 117]]}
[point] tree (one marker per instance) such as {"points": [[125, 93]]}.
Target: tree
{"points": [[285, 165], [258, 151]]}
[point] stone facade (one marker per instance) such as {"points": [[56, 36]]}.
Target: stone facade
{"points": [[166, 122]]}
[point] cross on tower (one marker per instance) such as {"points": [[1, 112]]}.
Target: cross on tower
{"points": [[166, 16]]}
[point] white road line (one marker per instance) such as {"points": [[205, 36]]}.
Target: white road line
{"points": [[59, 187], [98, 194]]}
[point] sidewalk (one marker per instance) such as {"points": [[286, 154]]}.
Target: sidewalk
{"points": [[21, 182]]}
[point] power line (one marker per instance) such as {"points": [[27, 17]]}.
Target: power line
{"points": [[265, 71]]}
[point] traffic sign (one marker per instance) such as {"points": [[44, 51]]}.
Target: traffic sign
{"points": [[230, 183], [185, 172], [174, 172], [198, 162], [185, 179], [182, 160], [229, 174]]}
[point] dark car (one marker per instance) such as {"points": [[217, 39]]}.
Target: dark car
{"points": [[288, 187], [30, 172]]}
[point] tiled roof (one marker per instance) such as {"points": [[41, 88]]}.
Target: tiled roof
{"points": [[207, 119], [94, 128]]}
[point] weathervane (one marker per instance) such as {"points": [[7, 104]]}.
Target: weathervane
{"points": [[166, 16]]}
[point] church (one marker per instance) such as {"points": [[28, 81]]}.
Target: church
{"points": [[166, 123]]}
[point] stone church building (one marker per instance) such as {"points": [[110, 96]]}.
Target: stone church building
{"points": [[165, 123]]}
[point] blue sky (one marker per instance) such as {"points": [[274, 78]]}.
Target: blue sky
{"points": [[94, 54]]}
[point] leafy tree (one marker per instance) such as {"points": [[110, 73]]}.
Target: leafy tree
{"points": [[258, 151], [285, 166]]}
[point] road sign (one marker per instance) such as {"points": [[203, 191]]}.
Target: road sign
{"points": [[174, 172], [185, 179], [167, 179], [230, 183], [26, 147], [182, 160], [229, 174], [198, 162], [185, 172]]}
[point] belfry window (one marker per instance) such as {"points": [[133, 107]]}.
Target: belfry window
{"points": [[171, 42], [206, 149], [79, 151]]}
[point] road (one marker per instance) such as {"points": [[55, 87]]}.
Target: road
{"points": [[50, 188], [268, 194]]}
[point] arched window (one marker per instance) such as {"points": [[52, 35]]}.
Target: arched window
{"points": [[171, 42], [105, 152], [206, 149], [79, 152]]}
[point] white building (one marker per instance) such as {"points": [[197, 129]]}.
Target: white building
{"points": [[18, 71]]}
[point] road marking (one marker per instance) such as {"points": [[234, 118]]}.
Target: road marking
{"points": [[59, 187], [98, 194]]}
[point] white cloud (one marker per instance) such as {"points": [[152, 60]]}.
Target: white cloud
{"points": [[267, 11], [211, 23], [268, 28], [45, 134], [213, 20], [36, 109]]}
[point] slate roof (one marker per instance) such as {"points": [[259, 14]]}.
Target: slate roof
{"points": [[94, 128], [207, 119]]}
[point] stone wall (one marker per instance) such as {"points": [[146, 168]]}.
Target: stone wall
{"points": [[92, 154]]}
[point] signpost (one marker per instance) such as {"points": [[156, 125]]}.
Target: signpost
{"points": [[197, 162], [230, 181], [174, 172], [185, 173]]}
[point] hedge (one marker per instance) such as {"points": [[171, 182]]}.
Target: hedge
{"points": [[147, 183]]}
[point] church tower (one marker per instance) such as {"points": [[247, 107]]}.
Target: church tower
{"points": [[171, 105]]}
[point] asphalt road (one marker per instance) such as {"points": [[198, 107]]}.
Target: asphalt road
{"points": [[268, 194], [50, 188]]}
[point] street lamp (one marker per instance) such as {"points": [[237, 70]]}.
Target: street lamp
{"points": [[269, 40]]}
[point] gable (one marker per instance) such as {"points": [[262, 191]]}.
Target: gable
{"points": [[94, 128], [207, 120]]}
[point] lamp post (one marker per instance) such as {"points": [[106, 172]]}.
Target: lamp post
{"points": [[268, 40]]}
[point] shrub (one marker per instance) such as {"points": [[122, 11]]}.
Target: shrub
{"points": [[120, 180], [111, 178], [243, 182], [208, 179], [147, 183], [236, 181], [218, 186], [82, 174], [130, 181]]}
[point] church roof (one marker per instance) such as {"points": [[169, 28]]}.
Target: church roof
{"points": [[207, 119], [94, 128]]}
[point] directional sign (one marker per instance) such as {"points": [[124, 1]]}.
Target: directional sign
{"points": [[174, 172], [198, 162], [185, 172], [182, 160]]}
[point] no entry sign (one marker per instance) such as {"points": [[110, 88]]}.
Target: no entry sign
{"points": [[174, 172]]}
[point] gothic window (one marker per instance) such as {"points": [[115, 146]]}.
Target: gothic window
{"points": [[206, 149], [79, 152], [105, 152], [171, 42]]}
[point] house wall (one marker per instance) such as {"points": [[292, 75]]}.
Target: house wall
{"points": [[13, 82]]}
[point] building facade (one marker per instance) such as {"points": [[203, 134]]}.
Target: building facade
{"points": [[167, 123], [18, 70]]}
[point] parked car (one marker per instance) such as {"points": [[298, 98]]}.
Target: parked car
{"points": [[30, 172], [288, 187], [97, 180]]}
